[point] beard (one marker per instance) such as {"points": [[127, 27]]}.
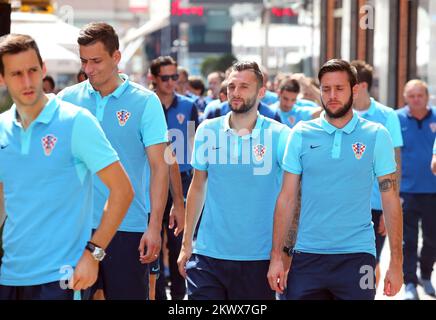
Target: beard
{"points": [[341, 112], [245, 107]]}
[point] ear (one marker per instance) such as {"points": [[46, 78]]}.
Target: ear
{"points": [[261, 93], [117, 56], [355, 91], [44, 70]]}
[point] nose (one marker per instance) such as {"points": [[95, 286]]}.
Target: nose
{"points": [[26, 80], [333, 94], [87, 68]]}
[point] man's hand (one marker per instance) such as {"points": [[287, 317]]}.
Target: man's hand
{"points": [[184, 256], [393, 280], [177, 216], [276, 275], [152, 241], [86, 272]]}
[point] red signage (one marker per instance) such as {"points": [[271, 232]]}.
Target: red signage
{"points": [[283, 12], [178, 10]]}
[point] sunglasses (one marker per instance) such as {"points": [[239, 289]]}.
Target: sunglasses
{"points": [[173, 77]]}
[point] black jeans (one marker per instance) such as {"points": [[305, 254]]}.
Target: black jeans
{"points": [[419, 208], [174, 244]]}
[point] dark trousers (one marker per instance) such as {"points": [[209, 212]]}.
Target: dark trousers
{"points": [[46, 291], [121, 275], [174, 244], [379, 239], [419, 208], [217, 279], [331, 277]]}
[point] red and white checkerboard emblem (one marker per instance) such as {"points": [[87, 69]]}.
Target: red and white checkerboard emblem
{"points": [[433, 127], [291, 120], [359, 149], [123, 116], [48, 144], [180, 118], [259, 152]]}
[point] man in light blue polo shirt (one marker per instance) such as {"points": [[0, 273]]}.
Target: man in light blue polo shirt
{"points": [[238, 156], [334, 254], [286, 107], [181, 115], [49, 151], [372, 110], [133, 120], [418, 187]]}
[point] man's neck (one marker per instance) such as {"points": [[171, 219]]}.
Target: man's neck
{"points": [[340, 122], [28, 114], [419, 113], [284, 109], [165, 99], [362, 102], [243, 123], [110, 86]]}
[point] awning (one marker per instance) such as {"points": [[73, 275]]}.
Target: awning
{"points": [[147, 28]]}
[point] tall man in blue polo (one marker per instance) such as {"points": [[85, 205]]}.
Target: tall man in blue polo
{"points": [[238, 157], [372, 110], [418, 187], [134, 123], [49, 151], [334, 253], [182, 118]]}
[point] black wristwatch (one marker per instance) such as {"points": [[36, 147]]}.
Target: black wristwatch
{"points": [[97, 252], [288, 250]]}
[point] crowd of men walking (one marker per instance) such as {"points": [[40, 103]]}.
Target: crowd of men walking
{"points": [[284, 193]]}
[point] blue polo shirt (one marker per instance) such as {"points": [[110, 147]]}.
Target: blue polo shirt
{"points": [[338, 169], [46, 172], [270, 98], [387, 117], [244, 180], [224, 109], [182, 120], [293, 116], [416, 154], [133, 119]]}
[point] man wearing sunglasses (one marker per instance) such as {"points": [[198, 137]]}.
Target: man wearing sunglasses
{"points": [[182, 119]]}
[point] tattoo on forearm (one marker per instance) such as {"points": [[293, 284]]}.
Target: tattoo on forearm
{"points": [[292, 234], [388, 184]]}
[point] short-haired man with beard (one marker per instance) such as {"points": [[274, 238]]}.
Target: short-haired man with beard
{"points": [[334, 252], [239, 157]]}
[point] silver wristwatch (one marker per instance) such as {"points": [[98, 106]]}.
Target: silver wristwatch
{"points": [[97, 252]]}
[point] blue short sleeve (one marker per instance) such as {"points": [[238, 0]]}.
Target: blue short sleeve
{"points": [[283, 139], [292, 158], [89, 143], [199, 156], [384, 155], [394, 128], [154, 128], [434, 148]]}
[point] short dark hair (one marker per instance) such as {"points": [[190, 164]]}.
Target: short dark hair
{"points": [[251, 66], [99, 31], [51, 80], [339, 65], [159, 62], [197, 83], [290, 85], [364, 72], [16, 43]]}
